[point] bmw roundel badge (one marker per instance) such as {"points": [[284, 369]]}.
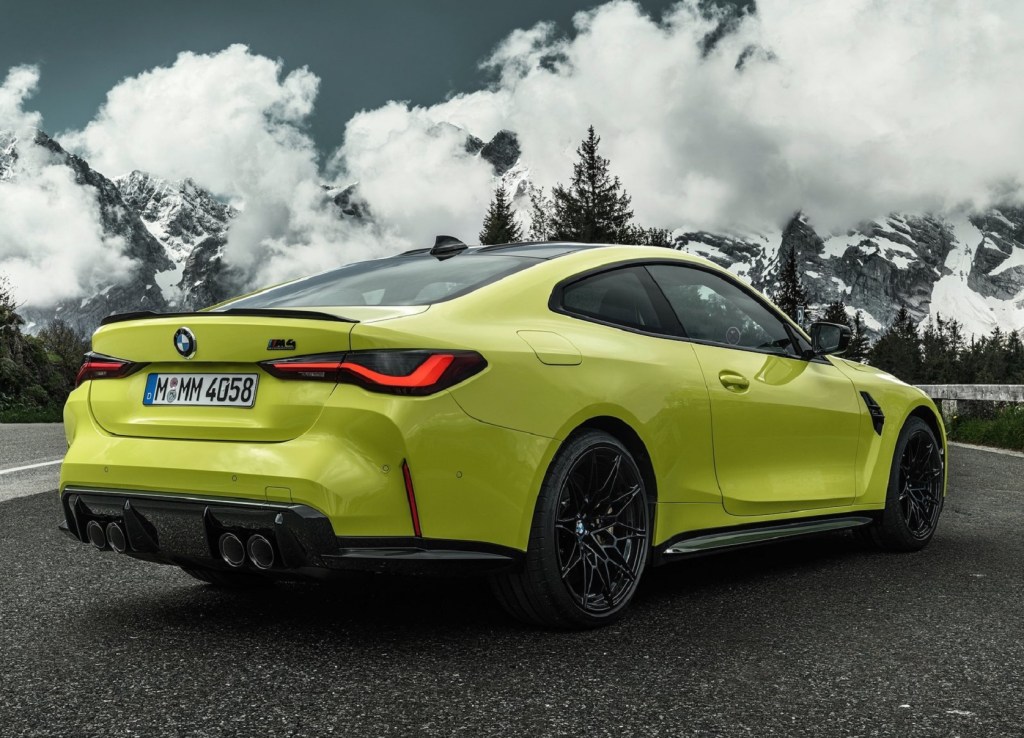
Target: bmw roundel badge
{"points": [[185, 342]]}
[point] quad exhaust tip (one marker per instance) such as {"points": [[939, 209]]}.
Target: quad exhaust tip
{"points": [[261, 552], [231, 550], [116, 538], [96, 536]]}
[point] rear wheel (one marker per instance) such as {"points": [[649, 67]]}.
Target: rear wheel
{"points": [[914, 499], [228, 579], [589, 541]]}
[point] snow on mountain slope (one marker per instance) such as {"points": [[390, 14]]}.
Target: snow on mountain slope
{"points": [[180, 215], [967, 268], [137, 290]]}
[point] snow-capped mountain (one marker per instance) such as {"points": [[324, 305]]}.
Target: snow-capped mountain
{"points": [[140, 290], [8, 155], [967, 267], [970, 268], [183, 217]]}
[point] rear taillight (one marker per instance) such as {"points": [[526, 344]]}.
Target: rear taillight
{"points": [[397, 372], [98, 366]]}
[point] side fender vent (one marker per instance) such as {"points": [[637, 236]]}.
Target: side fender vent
{"points": [[877, 416]]}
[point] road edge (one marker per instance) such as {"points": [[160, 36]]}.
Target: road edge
{"points": [[990, 449]]}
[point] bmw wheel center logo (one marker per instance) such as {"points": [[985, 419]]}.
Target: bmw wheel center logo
{"points": [[185, 342]]}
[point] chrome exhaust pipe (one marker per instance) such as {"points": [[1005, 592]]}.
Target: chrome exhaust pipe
{"points": [[96, 536], [116, 538], [231, 550], [261, 552]]}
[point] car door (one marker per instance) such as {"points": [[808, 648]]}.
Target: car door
{"points": [[636, 364], [784, 428]]}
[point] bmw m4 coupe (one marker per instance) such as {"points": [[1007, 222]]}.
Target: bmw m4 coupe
{"points": [[557, 417]]}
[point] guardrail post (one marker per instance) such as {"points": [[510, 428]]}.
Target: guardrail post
{"points": [[948, 410]]}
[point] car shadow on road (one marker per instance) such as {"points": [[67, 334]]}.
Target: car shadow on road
{"points": [[364, 605]]}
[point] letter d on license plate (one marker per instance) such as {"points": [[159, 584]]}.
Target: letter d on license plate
{"points": [[229, 390]]}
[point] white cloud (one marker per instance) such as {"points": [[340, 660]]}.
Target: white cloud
{"points": [[846, 108], [52, 244], [228, 120], [414, 170], [234, 122]]}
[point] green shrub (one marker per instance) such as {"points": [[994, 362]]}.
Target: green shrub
{"points": [[1005, 430], [23, 414]]}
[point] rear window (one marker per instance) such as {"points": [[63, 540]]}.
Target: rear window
{"points": [[410, 280]]}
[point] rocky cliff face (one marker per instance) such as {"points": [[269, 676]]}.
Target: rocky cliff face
{"points": [[191, 224], [140, 291], [969, 268], [8, 155]]}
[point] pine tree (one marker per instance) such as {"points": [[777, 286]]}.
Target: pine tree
{"points": [[640, 236], [9, 318], [898, 350], [593, 208], [500, 224], [1015, 358], [28, 376], [790, 295], [993, 367], [942, 345], [859, 346], [835, 312], [540, 215]]}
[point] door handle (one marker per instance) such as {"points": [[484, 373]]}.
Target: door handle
{"points": [[733, 382]]}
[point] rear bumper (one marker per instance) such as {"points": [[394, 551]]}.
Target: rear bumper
{"points": [[184, 530], [473, 481]]}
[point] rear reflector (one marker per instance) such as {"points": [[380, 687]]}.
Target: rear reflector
{"points": [[98, 366], [411, 495], [398, 372]]}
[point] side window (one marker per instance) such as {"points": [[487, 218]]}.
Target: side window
{"points": [[620, 296], [714, 309]]}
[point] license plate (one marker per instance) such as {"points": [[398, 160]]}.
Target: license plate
{"points": [[224, 390]]}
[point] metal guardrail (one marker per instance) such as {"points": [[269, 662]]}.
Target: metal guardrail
{"points": [[947, 395], [990, 392]]}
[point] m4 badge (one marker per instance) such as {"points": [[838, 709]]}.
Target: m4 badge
{"points": [[281, 344]]}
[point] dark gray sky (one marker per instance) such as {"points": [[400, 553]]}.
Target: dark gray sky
{"points": [[365, 52]]}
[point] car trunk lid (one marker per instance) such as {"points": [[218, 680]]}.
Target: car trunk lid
{"points": [[228, 343]]}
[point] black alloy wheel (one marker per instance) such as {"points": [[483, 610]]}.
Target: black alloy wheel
{"points": [[920, 484], [601, 529], [915, 495], [590, 538]]}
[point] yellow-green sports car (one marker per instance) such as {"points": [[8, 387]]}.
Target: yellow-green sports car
{"points": [[554, 416]]}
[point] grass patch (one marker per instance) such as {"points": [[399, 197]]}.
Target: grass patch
{"points": [[31, 415], [1004, 430]]}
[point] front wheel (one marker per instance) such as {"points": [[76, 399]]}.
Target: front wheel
{"points": [[589, 541], [914, 498]]}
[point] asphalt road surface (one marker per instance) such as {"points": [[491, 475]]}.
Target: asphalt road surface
{"points": [[816, 637], [29, 458]]}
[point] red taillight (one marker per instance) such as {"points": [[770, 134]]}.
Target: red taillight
{"points": [[97, 366], [398, 372]]}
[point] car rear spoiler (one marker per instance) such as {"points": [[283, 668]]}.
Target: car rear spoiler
{"points": [[264, 312]]}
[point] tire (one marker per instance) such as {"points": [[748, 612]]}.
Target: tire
{"points": [[229, 579], [914, 499], [589, 540]]}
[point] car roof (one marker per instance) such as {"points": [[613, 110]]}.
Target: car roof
{"points": [[533, 249]]}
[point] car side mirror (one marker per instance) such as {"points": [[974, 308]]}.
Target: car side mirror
{"points": [[830, 338]]}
